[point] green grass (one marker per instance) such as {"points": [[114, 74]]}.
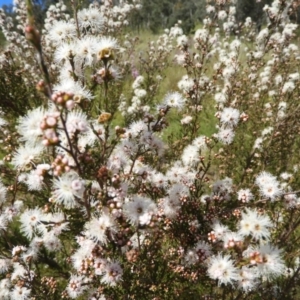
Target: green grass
{"points": [[171, 75], [2, 40]]}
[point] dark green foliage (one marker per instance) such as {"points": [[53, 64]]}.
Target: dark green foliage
{"points": [[2, 40], [253, 9], [16, 97], [159, 14], [155, 14], [186, 12]]}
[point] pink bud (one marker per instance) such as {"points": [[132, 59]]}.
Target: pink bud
{"points": [[70, 104], [60, 100], [51, 121], [45, 143], [65, 160], [76, 185], [39, 172], [55, 140], [43, 125], [54, 97]]}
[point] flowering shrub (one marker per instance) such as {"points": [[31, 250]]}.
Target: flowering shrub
{"points": [[110, 191]]}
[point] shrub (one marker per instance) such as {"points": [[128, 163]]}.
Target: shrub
{"points": [[110, 191]]}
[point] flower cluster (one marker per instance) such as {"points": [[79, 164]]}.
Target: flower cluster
{"points": [[113, 186]]}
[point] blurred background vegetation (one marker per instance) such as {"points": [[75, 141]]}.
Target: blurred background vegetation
{"points": [[146, 23], [156, 15]]}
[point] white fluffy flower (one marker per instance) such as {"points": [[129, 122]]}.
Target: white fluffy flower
{"points": [[5, 285], [222, 268], [288, 87], [90, 17], [262, 35], [245, 195], [175, 100], [223, 188], [31, 222], [190, 156], [64, 52], [25, 155], [2, 121], [170, 207], [220, 97], [176, 31], [191, 257], [210, 9], [271, 190], [225, 135], [67, 188], [248, 278], [29, 126], [3, 222], [219, 229], [83, 252], [140, 210], [186, 84], [76, 286], [19, 272], [96, 229], [182, 40], [77, 122], [91, 134], [172, 204], [203, 249], [68, 85], [231, 239], [3, 191], [140, 93], [264, 178], [291, 200], [112, 273], [200, 142], [186, 120], [268, 185], [222, 15], [268, 260], [105, 47], [138, 82], [20, 293], [255, 224], [229, 116], [86, 50], [32, 180], [61, 31], [51, 242], [5, 264], [201, 34]]}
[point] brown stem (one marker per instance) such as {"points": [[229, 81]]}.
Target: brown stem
{"points": [[70, 144], [75, 8]]}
